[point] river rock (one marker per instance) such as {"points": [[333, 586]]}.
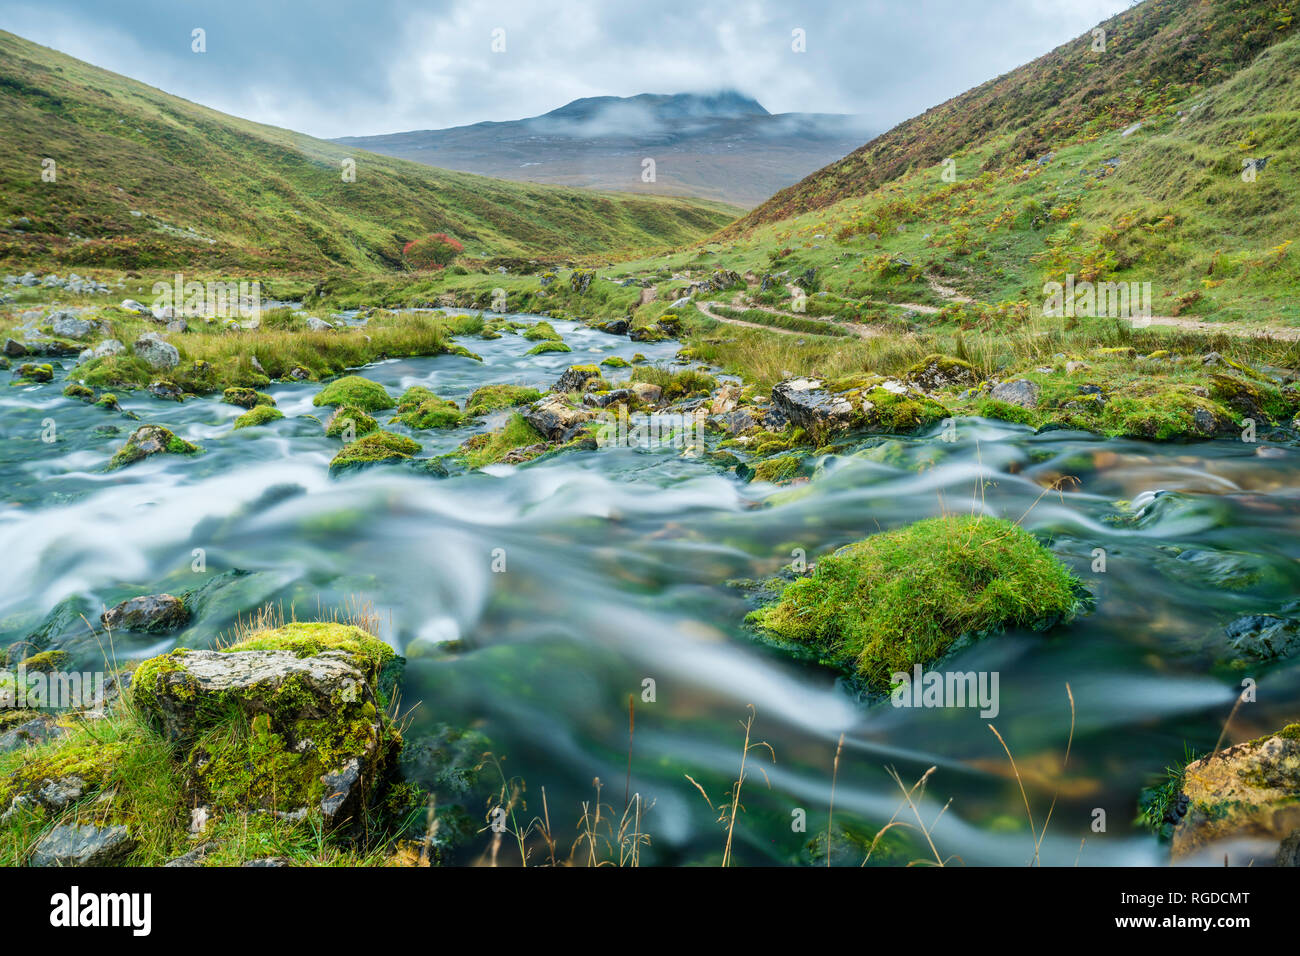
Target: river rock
{"points": [[616, 327], [604, 399], [1264, 636], [67, 325], [108, 347], [808, 404], [1019, 391], [936, 372], [318, 325], [1242, 802], [647, 392], [72, 844], [167, 391], [152, 613], [156, 352], [555, 418], [575, 378], [130, 305]]}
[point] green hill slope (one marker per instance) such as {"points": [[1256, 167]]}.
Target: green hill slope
{"points": [[1155, 54], [1131, 183], [147, 180]]}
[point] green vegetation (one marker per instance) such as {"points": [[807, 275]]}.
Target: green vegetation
{"points": [[216, 193], [355, 391], [258, 415], [490, 398], [420, 408], [903, 597], [345, 415], [373, 449], [490, 448]]}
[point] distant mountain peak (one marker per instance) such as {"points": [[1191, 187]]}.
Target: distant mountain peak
{"points": [[724, 104]]}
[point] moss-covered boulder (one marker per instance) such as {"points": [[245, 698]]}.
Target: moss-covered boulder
{"points": [[904, 597], [258, 415], [373, 449], [287, 720], [490, 398], [420, 408], [246, 397], [541, 331], [548, 345], [150, 440], [356, 391], [150, 613], [81, 393], [940, 372], [348, 421], [32, 374], [1243, 802]]}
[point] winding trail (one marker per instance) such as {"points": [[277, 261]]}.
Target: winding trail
{"points": [[861, 331]]}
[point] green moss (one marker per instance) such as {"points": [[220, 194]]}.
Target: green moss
{"points": [[548, 345], [258, 415], [616, 361], [1164, 413], [490, 448], [778, 469], [246, 397], [46, 662], [108, 401], [357, 391], [79, 392], [489, 398], [541, 331], [29, 373], [421, 408], [373, 449], [904, 597], [362, 424], [376, 660], [132, 451]]}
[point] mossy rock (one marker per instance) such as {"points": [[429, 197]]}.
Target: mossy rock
{"points": [[287, 719], [421, 408], [80, 392], [936, 372], [345, 415], [31, 374], [615, 361], [356, 391], [373, 449], [904, 597], [491, 398], [150, 440], [541, 331], [258, 415], [246, 397], [380, 664], [548, 345]]}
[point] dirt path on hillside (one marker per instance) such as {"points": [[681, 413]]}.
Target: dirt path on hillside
{"points": [[860, 331], [1283, 333]]}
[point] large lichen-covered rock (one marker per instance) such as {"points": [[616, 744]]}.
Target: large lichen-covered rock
{"points": [[150, 440], [905, 597], [1242, 802], [246, 397], [575, 378], [357, 391], [287, 719], [373, 449]]}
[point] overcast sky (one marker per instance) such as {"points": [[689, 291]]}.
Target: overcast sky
{"points": [[356, 67]]}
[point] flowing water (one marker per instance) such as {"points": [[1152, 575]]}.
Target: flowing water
{"points": [[617, 566]]}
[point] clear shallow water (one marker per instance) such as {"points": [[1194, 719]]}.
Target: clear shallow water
{"points": [[617, 563]]}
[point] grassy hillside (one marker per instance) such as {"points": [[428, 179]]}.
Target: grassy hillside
{"points": [[148, 180], [1155, 54], [1165, 202]]}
